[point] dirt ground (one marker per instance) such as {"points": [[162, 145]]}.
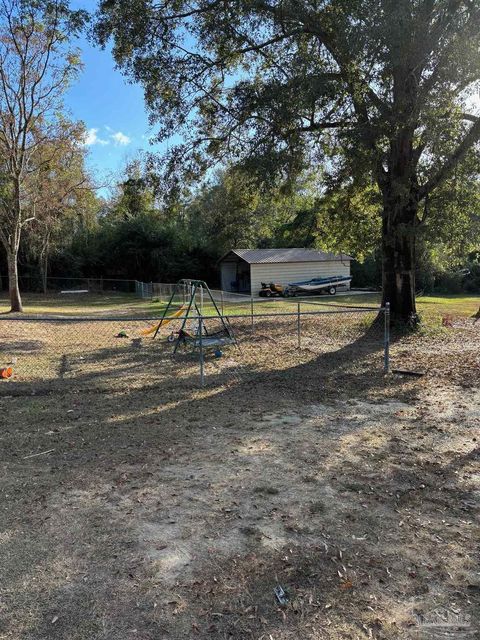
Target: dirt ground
{"points": [[136, 504]]}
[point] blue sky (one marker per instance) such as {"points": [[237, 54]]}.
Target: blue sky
{"points": [[112, 109]]}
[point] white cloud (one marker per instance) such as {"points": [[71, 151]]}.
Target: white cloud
{"points": [[92, 138], [120, 138]]}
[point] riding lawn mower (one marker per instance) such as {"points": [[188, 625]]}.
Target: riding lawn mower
{"points": [[270, 290]]}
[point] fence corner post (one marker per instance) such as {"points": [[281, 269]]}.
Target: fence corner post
{"points": [[386, 358], [251, 307], [298, 324], [200, 344]]}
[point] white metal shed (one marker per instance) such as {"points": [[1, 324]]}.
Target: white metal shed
{"points": [[243, 270]]}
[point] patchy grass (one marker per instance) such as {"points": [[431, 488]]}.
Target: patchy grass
{"points": [[431, 308], [456, 305], [84, 304], [124, 304]]}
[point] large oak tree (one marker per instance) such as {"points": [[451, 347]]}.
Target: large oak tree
{"points": [[279, 84]]}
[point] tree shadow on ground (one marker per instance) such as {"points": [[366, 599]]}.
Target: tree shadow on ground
{"points": [[139, 468], [360, 357], [21, 346]]}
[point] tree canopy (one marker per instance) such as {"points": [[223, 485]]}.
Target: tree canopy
{"points": [[371, 90]]}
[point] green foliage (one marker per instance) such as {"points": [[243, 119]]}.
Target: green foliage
{"points": [[367, 274], [134, 195], [284, 85], [145, 247], [372, 94], [132, 235], [233, 211], [349, 221]]}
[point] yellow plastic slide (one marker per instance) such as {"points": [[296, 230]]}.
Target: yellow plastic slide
{"points": [[164, 321]]}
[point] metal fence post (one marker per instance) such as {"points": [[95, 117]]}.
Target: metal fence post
{"points": [[251, 307], [200, 340], [298, 324], [221, 299], [386, 362]]}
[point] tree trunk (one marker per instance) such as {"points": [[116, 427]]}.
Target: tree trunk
{"points": [[398, 182], [398, 270], [14, 290], [398, 252], [43, 264], [44, 274], [11, 242]]}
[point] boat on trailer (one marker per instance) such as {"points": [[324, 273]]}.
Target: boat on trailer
{"points": [[317, 285]]}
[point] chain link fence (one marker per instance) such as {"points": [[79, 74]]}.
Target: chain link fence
{"points": [[82, 290], [89, 351], [338, 339], [163, 292], [227, 302], [35, 284]]}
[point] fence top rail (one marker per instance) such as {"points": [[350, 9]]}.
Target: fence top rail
{"points": [[157, 319], [334, 304], [97, 279]]}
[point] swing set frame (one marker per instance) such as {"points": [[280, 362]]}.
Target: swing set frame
{"points": [[199, 340]]}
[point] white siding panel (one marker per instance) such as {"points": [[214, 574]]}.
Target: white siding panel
{"points": [[284, 273]]}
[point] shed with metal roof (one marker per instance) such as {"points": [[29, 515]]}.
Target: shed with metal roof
{"points": [[244, 270]]}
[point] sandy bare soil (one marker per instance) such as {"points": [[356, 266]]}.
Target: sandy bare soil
{"points": [[136, 504]]}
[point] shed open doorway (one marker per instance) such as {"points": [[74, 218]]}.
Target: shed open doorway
{"points": [[235, 275]]}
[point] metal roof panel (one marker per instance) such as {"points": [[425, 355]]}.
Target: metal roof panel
{"points": [[266, 256]]}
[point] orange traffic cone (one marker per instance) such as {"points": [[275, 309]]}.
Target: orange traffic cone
{"points": [[6, 372]]}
